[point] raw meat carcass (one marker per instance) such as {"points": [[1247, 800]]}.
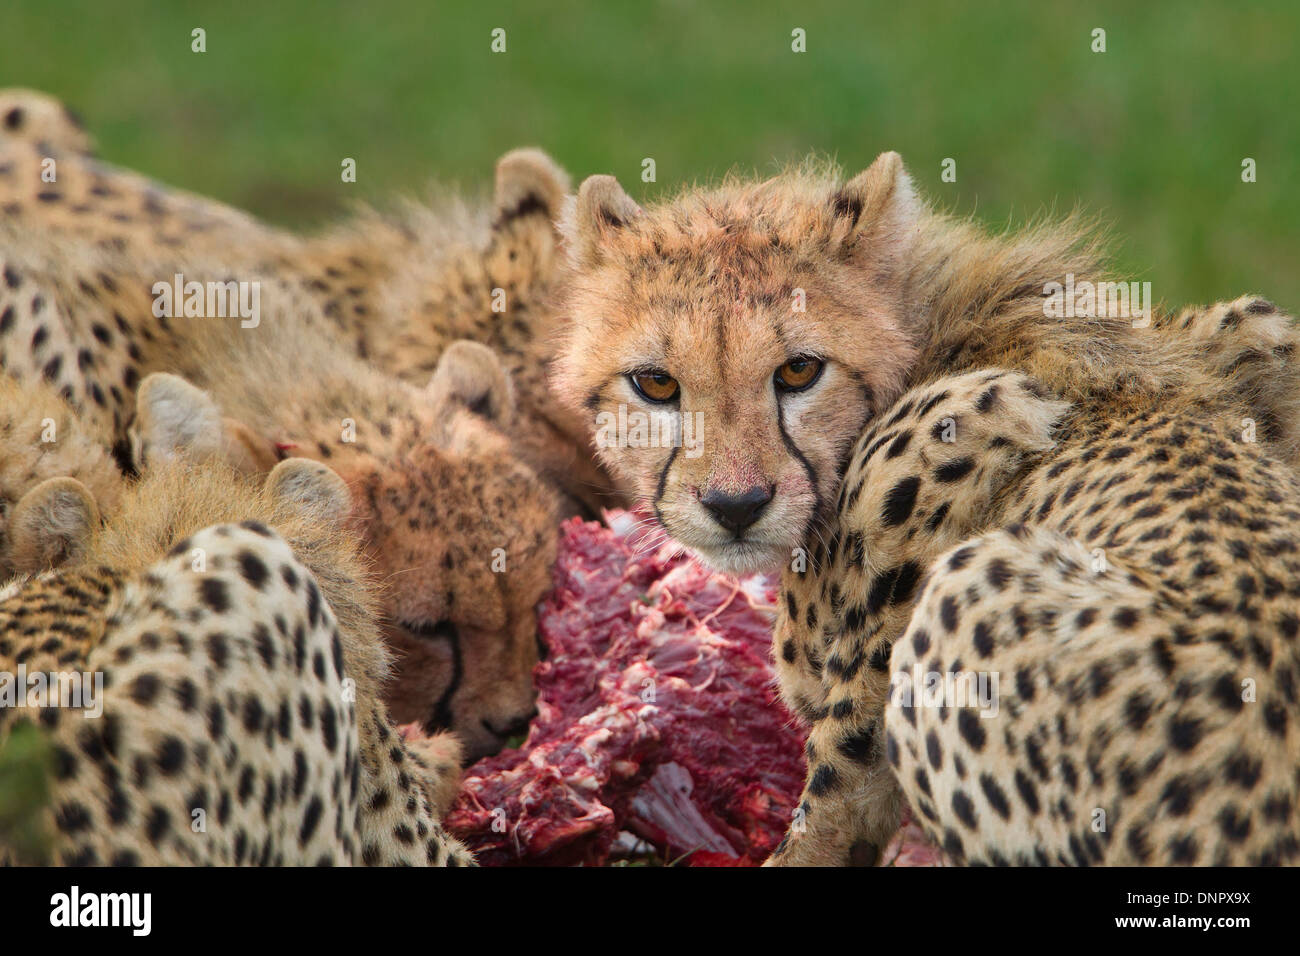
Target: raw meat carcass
{"points": [[658, 716]]}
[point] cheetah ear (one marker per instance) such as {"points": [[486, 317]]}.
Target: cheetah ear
{"points": [[307, 487], [879, 203], [41, 119], [52, 524], [175, 419], [528, 182], [599, 211], [471, 374]]}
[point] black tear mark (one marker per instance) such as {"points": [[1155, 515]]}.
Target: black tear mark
{"points": [[441, 718]]}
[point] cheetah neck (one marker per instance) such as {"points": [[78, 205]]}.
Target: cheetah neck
{"points": [[982, 302]]}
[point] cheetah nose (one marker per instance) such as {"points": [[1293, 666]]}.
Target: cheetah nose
{"points": [[517, 725], [737, 512]]}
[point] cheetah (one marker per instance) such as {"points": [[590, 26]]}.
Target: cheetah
{"points": [[33, 117], [233, 628], [42, 438], [460, 528], [399, 288], [1253, 346], [891, 417]]}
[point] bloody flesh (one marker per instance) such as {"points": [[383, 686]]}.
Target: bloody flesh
{"points": [[657, 715]]}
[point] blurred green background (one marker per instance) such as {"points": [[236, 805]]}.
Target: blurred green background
{"points": [[1150, 134]]}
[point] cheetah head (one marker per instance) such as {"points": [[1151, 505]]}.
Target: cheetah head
{"points": [[727, 346], [42, 441], [460, 534], [463, 537]]}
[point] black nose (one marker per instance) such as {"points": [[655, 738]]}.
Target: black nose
{"points": [[514, 727], [737, 512]]}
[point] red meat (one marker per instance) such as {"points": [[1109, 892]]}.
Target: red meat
{"points": [[657, 715]]}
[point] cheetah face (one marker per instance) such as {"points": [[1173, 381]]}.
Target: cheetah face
{"points": [[461, 536], [753, 441], [727, 348], [463, 539]]}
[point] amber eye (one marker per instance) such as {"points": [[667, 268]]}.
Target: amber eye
{"points": [[655, 385], [798, 373]]}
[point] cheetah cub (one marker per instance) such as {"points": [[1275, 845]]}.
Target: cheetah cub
{"points": [[1097, 512], [228, 637]]}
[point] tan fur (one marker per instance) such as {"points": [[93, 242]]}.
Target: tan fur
{"points": [[40, 119], [398, 288], [50, 525], [1253, 346], [441, 498], [706, 286], [435, 493], [438, 494], [28, 416], [170, 517], [176, 419], [471, 375], [1153, 465]]}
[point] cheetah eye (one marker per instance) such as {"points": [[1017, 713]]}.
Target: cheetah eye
{"points": [[655, 385], [798, 373]]}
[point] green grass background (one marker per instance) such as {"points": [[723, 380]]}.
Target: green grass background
{"points": [[1149, 134]]}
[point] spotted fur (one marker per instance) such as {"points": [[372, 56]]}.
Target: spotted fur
{"points": [[241, 667], [399, 288], [42, 438], [29, 116], [460, 527], [1069, 435], [1138, 611]]}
